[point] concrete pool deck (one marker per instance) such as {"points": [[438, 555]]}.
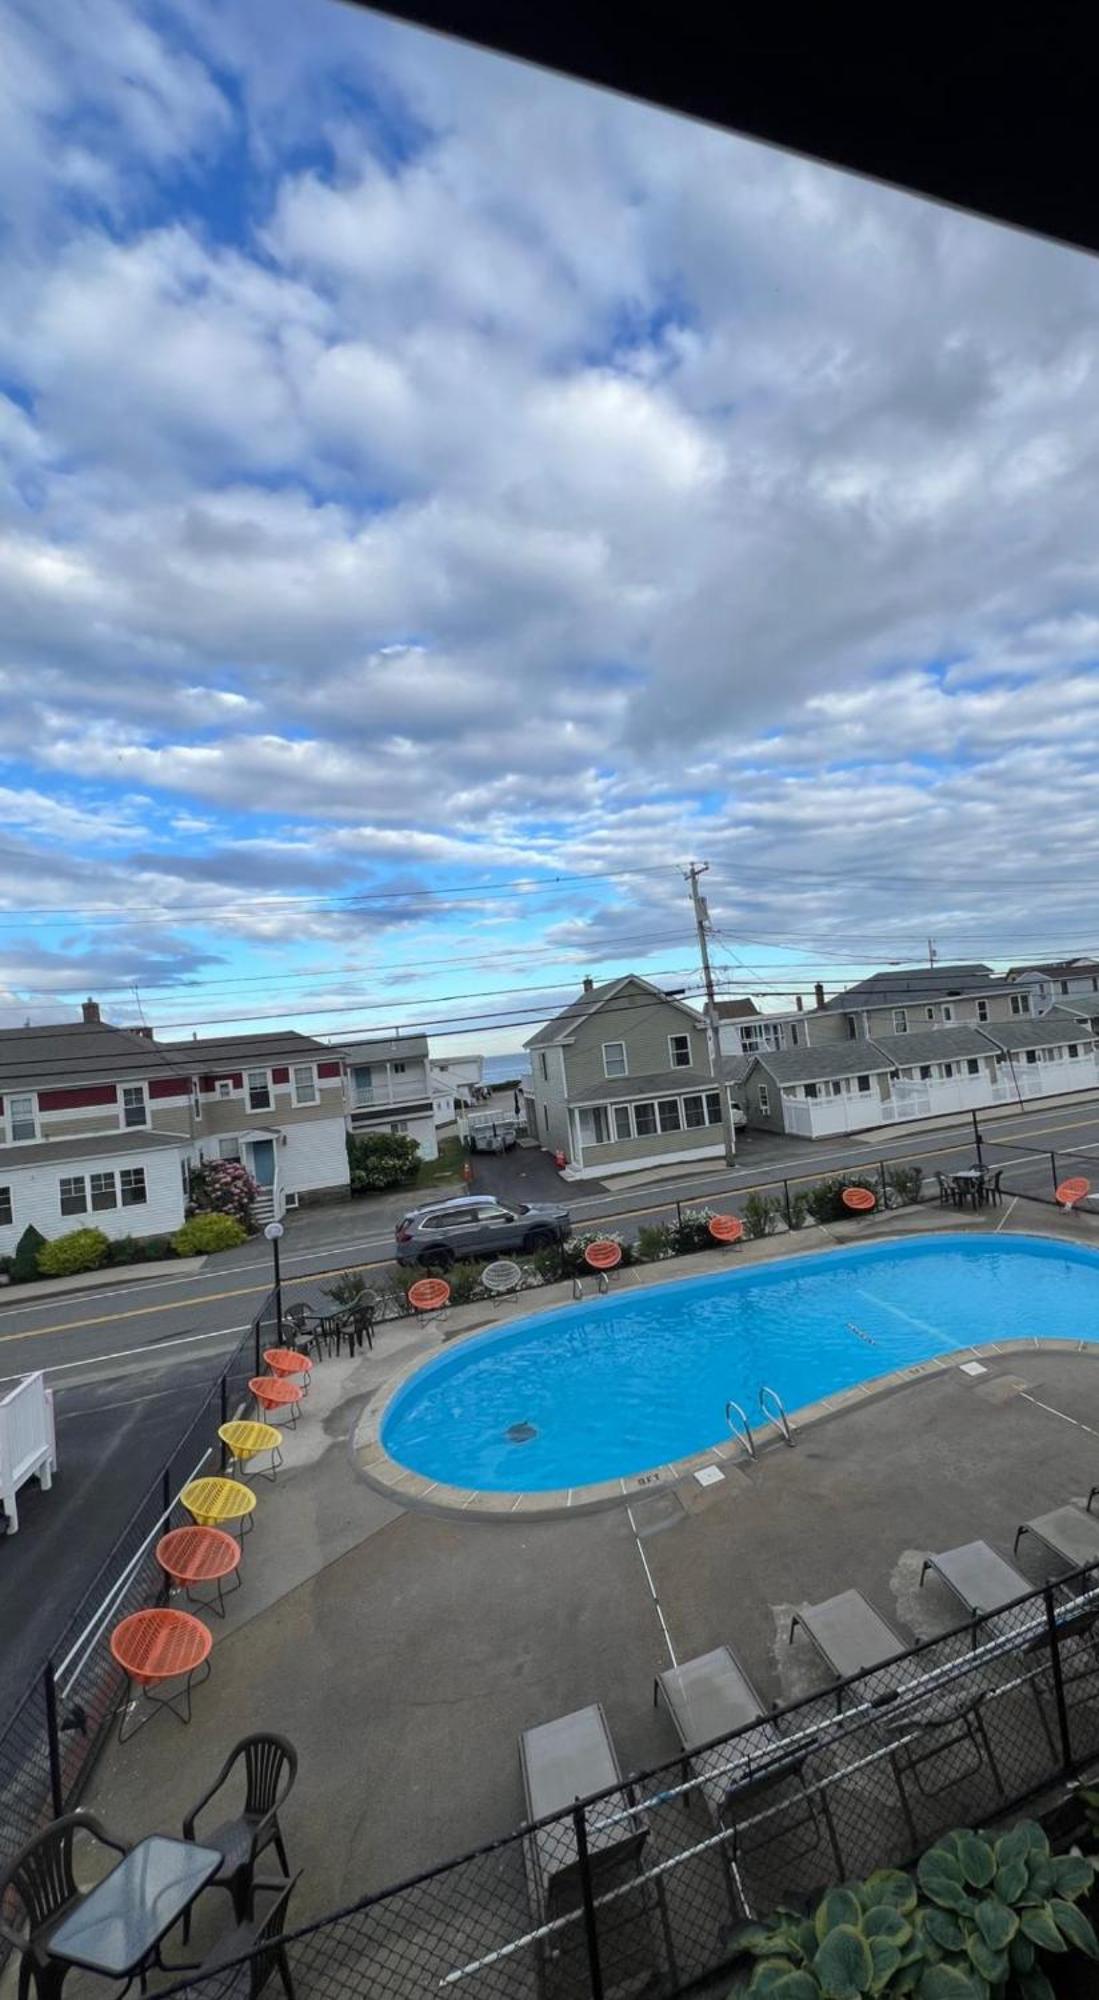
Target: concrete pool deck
{"points": [[403, 1650], [397, 1481]]}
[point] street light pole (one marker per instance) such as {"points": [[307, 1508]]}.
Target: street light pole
{"points": [[273, 1233]]}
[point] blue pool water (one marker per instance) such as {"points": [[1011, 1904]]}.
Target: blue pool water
{"points": [[620, 1384]]}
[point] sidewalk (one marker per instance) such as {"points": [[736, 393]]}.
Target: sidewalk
{"points": [[107, 1274]]}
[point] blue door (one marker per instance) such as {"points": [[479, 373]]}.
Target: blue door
{"points": [[263, 1162]]}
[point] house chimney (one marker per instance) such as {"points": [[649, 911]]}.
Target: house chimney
{"points": [[589, 983], [818, 993], [799, 1003], [90, 1011]]}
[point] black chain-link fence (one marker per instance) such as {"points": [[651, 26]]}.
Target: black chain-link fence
{"points": [[640, 1887], [48, 1746], [1035, 1173]]}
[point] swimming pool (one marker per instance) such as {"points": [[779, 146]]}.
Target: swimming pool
{"points": [[617, 1385]]}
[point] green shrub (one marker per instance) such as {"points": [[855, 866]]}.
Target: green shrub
{"points": [[79, 1250], [139, 1249], [799, 1208], [381, 1160], [203, 1234], [762, 1214], [24, 1264], [825, 1200], [465, 1283], [691, 1231], [347, 1289], [654, 1243], [224, 1186], [905, 1183]]}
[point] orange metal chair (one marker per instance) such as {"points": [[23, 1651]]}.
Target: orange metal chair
{"points": [[603, 1255], [428, 1294], [274, 1392], [200, 1555], [286, 1361], [859, 1200], [1072, 1191], [153, 1647], [726, 1228]]}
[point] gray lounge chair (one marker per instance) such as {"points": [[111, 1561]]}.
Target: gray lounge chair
{"points": [[1068, 1533], [982, 1580], [850, 1636], [712, 1697]]}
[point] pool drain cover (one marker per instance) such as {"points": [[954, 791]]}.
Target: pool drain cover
{"points": [[520, 1433]]}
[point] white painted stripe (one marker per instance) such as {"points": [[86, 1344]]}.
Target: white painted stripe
{"points": [[1076, 1422], [652, 1589], [124, 1353]]}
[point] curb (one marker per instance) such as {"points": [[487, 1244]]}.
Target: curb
{"points": [[174, 1267]]}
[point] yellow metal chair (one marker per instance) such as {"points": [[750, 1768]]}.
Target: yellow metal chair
{"points": [[214, 1503], [245, 1440]]}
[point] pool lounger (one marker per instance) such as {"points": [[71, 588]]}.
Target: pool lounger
{"points": [[711, 1697], [563, 1761], [1067, 1533], [850, 1636], [980, 1578]]}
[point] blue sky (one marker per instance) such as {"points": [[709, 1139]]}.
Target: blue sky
{"points": [[438, 500]]}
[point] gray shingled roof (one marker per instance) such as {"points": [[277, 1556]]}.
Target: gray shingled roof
{"points": [[375, 1048], [936, 1045], [1086, 1004], [861, 1058], [736, 1010], [1064, 968], [658, 1083], [1048, 1030], [568, 1020], [69, 1052], [97, 1146], [231, 1052], [908, 984]]}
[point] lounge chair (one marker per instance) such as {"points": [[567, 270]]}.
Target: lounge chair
{"points": [[851, 1637], [1068, 1533], [981, 1579], [712, 1697]]}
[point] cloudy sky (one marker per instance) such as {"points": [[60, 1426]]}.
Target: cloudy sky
{"points": [[438, 500]]}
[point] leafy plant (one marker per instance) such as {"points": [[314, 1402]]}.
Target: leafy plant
{"points": [[465, 1283], [24, 1264], [654, 1243], [692, 1231], [992, 1906], [381, 1160], [762, 1214], [139, 1249], [567, 1259], [222, 1187], [201, 1235], [825, 1200], [859, 1939], [347, 1289], [799, 1208], [78, 1250], [906, 1183]]}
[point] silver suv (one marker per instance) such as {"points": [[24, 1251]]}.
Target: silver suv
{"points": [[477, 1225]]}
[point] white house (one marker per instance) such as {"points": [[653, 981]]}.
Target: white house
{"points": [[455, 1082], [387, 1089]]}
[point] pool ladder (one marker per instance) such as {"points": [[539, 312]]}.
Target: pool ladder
{"points": [[772, 1411]]}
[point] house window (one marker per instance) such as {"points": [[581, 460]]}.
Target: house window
{"points": [[362, 1084], [793, 1035], [1074, 1049], [948, 1014], [402, 1126], [622, 1127], [104, 1191], [305, 1083], [811, 1090], [544, 1064], [259, 1090], [764, 1101], [593, 1125], [228, 1149], [982, 1010], [973, 1066], [948, 1069], [694, 1112], [864, 1083], [644, 1120], [74, 1195], [196, 1101], [900, 1020], [132, 1180], [1032, 1055], [22, 1122], [925, 1072], [135, 1111], [669, 1114], [1020, 1003], [1064, 985], [679, 1051], [6, 1210], [930, 1012], [614, 1059], [399, 1069]]}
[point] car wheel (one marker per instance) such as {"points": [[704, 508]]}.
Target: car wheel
{"points": [[538, 1239], [436, 1260]]}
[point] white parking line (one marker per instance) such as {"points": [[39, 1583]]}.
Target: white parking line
{"points": [[652, 1588], [124, 1353]]}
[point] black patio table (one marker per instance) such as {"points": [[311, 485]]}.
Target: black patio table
{"points": [[119, 1925]]}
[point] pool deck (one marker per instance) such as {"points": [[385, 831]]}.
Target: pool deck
{"points": [[403, 1649]]}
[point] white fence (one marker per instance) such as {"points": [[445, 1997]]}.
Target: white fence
{"points": [[1016, 1081], [27, 1442]]}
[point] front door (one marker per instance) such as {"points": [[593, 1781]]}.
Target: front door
{"points": [[263, 1161]]}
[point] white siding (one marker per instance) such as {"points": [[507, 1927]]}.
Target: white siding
{"points": [[313, 1157], [35, 1194]]}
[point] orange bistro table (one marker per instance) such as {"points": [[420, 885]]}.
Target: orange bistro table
{"points": [[285, 1361], [603, 1255], [154, 1647], [726, 1228], [859, 1200], [201, 1555], [274, 1392], [428, 1294]]}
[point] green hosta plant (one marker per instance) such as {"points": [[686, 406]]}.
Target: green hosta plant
{"points": [[989, 1907], [859, 1939]]}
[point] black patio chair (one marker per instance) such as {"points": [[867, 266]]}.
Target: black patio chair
{"points": [[262, 1939], [270, 1768], [41, 1878], [993, 1190], [927, 1737], [948, 1190], [304, 1327]]}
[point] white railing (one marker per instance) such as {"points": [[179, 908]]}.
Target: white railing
{"points": [[28, 1448], [933, 1097], [366, 1097]]}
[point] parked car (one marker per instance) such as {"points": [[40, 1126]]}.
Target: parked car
{"points": [[477, 1225]]}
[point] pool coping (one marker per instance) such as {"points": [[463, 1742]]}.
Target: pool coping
{"points": [[401, 1484]]}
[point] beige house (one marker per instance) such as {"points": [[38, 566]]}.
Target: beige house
{"points": [[621, 1081]]}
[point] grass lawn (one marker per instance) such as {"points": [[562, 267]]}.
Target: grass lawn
{"points": [[448, 1166]]}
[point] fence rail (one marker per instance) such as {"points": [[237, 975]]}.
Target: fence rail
{"points": [[647, 1881]]}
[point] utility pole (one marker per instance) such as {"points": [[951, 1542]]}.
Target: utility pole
{"points": [[932, 954], [713, 1025]]}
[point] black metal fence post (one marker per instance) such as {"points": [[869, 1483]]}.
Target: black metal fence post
{"points": [[1058, 1678], [977, 1139], [1053, 1170], [884, 1184], [53, 1739], [590, 1927], [166, 1488], [256, 1342]]}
